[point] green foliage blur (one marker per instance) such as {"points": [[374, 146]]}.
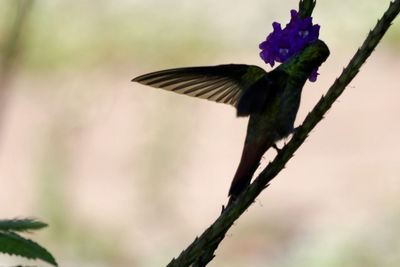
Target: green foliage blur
{"points": [[64, 35]]}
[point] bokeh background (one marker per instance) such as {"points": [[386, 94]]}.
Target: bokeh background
{"points": [[128, 175]]}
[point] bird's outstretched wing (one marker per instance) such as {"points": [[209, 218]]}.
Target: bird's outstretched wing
{"points": [[222, 83]]}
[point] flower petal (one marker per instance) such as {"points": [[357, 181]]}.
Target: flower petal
{"points": [[281, 44]]}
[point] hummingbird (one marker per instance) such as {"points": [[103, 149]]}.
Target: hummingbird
{"points": [[270, 99]]}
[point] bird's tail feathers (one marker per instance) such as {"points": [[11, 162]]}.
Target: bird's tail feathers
{"points": [[251, 156]]}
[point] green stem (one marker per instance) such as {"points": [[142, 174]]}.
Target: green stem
{"points": [[306, 8]]}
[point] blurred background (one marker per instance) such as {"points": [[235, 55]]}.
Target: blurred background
{"points": [[128, 175]]}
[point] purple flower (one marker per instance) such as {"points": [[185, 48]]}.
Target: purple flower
{"points": [[281, 44]]}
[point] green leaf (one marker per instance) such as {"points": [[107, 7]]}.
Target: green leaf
{"points": [[14, 244], [20, 225]]}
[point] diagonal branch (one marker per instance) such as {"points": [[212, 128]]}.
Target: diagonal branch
{"points": [[201, 251]]}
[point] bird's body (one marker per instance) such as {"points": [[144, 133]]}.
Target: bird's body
{"points": [[270, 99], [275, 122]]}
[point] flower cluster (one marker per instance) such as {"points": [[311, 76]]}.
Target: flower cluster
{"points": [[281, 44]]}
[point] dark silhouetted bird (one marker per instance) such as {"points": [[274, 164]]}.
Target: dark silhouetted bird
{"points": [[271, 99]]}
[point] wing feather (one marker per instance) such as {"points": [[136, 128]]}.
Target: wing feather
{"points": [[210, 85], [220, 86], [222, 83]]}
